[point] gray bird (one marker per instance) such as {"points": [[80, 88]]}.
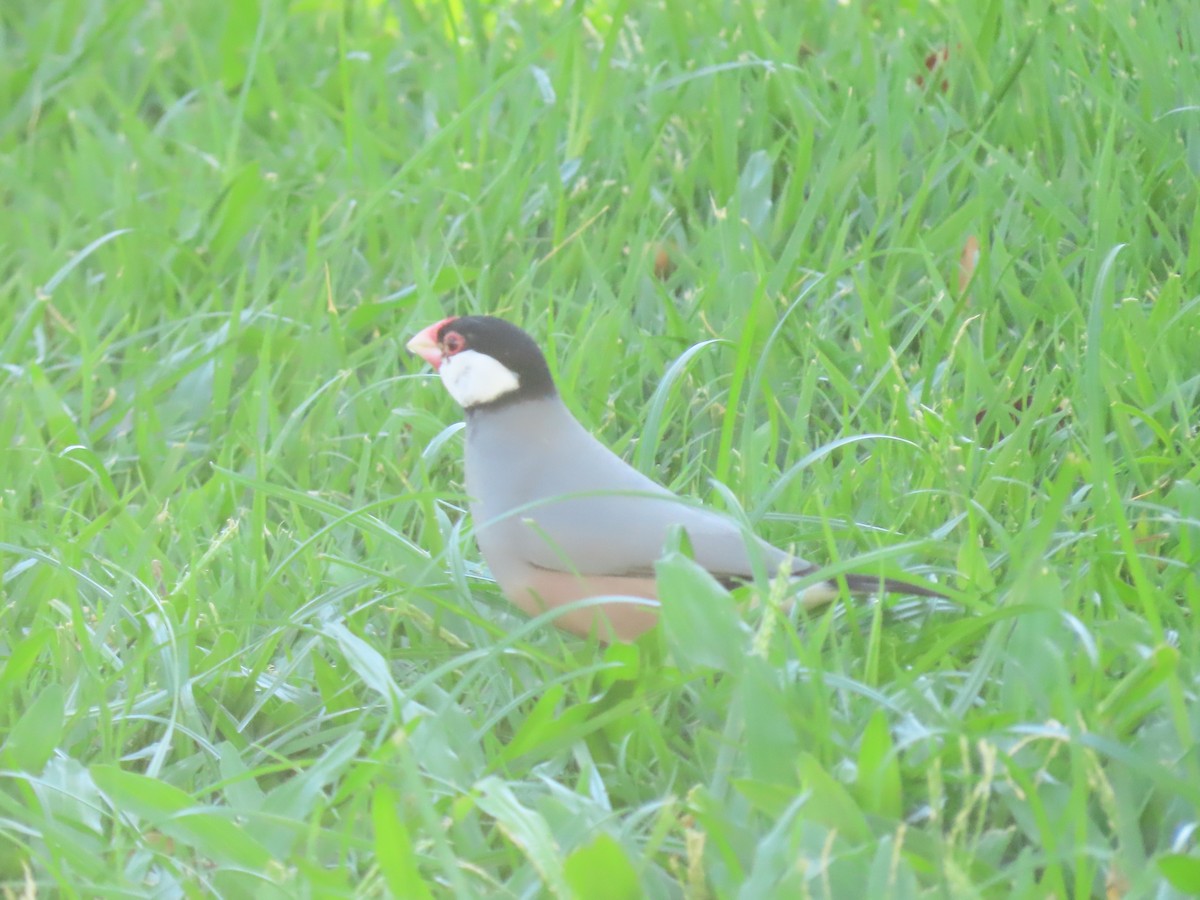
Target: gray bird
{"points": [[558, 516]]}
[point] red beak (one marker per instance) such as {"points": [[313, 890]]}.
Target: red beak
{"points": [[425, 343]]}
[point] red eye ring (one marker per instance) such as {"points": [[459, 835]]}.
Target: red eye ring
{"points": [[453, 343]]}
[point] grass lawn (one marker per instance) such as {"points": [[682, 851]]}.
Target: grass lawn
{"points": [[911, 287]]}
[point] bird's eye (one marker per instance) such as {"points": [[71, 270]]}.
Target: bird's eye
{"points": [[453, 343]]}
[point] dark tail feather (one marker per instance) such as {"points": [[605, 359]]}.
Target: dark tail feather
{"points": [[871, 584]]}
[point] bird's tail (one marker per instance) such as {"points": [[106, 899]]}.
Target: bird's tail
{"points": [[870, 584], [826, 591]]}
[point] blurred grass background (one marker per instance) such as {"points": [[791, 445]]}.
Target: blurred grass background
{"points": [[247, 647]]}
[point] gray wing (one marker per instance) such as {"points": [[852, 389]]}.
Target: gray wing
{"points": [[550, 495], [626, 534]]}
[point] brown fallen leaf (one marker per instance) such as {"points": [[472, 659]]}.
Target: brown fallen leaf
{"points": [[967, 263], [664, 266]]}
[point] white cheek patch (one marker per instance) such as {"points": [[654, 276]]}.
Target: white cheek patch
{"points": [[473, 378]]}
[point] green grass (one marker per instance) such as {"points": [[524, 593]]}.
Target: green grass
{"points": [[246, 643]]}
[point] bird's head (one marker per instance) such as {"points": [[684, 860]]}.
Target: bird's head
{"points": [[484, 361]]}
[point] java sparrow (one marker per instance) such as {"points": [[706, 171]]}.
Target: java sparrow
{"points": [[558, 516]]}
